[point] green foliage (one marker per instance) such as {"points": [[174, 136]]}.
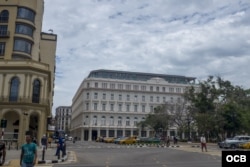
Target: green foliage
{"points": [[219, 108]]}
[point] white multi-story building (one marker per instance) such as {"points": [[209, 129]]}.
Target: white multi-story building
{"points": [[111, 103], [63, 118]]}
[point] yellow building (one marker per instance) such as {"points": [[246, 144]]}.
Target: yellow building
{"points": [[27, 69]]}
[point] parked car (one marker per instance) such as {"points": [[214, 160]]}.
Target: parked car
{"points": [[128, 140], [234, 142], [117, 140], [99, 139], [245, 145], [109, 140]]}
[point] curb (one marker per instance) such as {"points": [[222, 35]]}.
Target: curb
{"points": [[53, 161]]}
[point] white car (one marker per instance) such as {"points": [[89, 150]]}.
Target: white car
{"points": [[70, 138], [234, 142]]}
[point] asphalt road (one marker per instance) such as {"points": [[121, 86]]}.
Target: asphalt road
{"points": [[92, 154]]}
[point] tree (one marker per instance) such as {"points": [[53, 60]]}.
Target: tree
{"points": [[218, 107]]}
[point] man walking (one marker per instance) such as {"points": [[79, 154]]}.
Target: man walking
{"points": [[2, 152], [28, 152], [203, 143]]}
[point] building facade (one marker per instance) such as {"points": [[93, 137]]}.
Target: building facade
{"points": [[27, 69], [63, 118], [110, 103]]}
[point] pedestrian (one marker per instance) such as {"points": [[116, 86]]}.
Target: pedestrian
{"points": [[59, 146], [28, 152], [49, 141], [175, 140], [203, 143], [44, 142], [167, 141], [2, 152]]}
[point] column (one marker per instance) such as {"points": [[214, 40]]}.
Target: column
{"points": [[115, 132], [107, 132], [82, 134], [90, 134]]}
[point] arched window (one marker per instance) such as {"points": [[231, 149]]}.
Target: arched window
{"points": [[36, 91], [4, 16], [14, 87]]}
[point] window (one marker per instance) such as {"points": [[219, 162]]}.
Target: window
{"points": [[2, 48], [143, 98], [104, 85], [178, 90], [163, 89], [135, 121], [87, 95], [127, 121], [158, 99], [25, 13], [4, 16], [112, 86], [171, 99], [135, 108], [143, 108], [120, 107], [14, 87], [120, 86], [136, 97], [119, 121], [171, 90], [87, 106], [164, 99], [111, 120], [24, 29], [95, 106], [128, 97], [22, 46], [96, 84], [112, 96], [120, 97], [3, 30], [103, 120], [151, 108], [36, 91], [143, 88], [157, 89], [103, 107], [94, 120], [96, 96], [128, 108], [104, 96], [151, 88], [151, 98], [112, 107]]}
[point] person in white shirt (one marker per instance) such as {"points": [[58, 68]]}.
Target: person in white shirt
{"points": [[203, 143]]}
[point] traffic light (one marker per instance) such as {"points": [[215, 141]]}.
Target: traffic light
{"points": [[3, 123]]}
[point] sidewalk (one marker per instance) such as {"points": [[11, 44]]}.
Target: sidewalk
{"points": [[13, 157]]}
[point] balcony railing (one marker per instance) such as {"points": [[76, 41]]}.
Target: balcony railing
{"points": [[7, 99], [4, 34]]}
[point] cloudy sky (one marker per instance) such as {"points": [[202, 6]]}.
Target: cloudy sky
{"points": [[195, 38]]}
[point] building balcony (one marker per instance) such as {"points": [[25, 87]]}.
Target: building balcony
{"points": [[22, 100], [4, 34]]}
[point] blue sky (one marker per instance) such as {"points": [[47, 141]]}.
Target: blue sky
{"points": [[195, 38]]}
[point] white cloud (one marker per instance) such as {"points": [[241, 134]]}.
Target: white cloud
{"points": [[193, 38]]}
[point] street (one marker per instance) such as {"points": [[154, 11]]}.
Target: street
{"points": [[94, 154]]}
